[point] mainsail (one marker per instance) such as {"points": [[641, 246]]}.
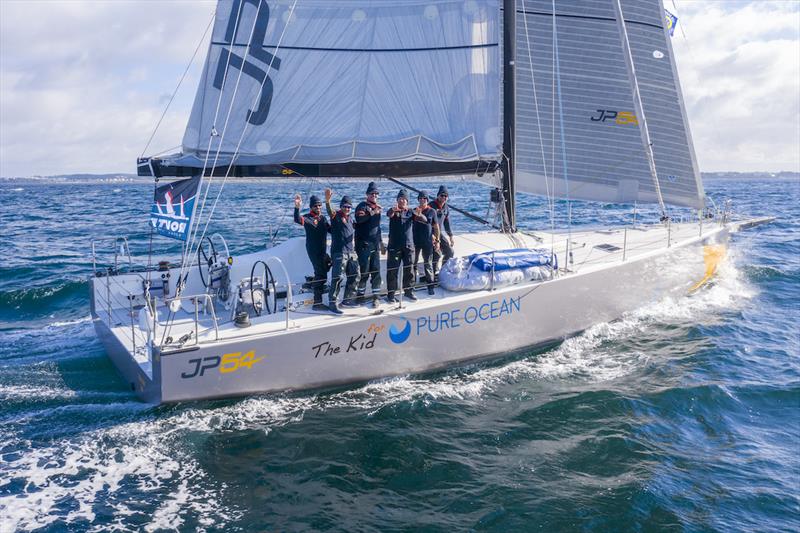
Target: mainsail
{"points": [[348, 81], [585, 85]]}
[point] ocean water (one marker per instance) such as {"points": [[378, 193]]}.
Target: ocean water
{"points": [[681, 416]]}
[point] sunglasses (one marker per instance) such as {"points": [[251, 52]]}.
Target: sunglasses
{"points": [[347, 207], [442, 196]]}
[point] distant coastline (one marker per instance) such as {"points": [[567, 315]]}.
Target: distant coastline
{"points": [[129, 179]]}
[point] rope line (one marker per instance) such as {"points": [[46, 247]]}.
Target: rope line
{"points": [[245, 129], [191, 61], [637, 100], [563, 137], [550, 194], [194, 222]]}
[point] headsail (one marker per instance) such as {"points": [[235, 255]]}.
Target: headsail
{"points": [[349, 81], [605, 157]]}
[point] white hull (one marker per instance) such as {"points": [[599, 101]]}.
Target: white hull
{"points": [[319, 350]]}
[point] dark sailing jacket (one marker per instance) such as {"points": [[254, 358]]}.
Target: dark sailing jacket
{"points": [[400, 229], [342, 233], [317, 228], [368, 223], [424, 231], [443, 215]]}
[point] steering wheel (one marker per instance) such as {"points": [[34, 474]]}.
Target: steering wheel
{"points": [[269, 290], [209, 259]]}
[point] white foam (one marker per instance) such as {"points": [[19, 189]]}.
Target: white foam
{"points": [[61, 324], [101, 464], [34, 392], [60, 334], [149, 454]]}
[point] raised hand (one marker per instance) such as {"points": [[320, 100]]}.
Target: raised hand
{"points": [[328, 195], [298, 201]]}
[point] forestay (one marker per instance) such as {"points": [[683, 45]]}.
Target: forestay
{"points": [[605, 156], [348, 80]]}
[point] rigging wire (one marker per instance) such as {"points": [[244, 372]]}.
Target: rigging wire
{"points": [[195, 220], [194, 223], [235, 154], [215, 132], [557, 64], [550, 194], [637, 100], [175, 92]]}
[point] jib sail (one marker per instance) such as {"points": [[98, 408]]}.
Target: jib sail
{"points": [[603, 155]]}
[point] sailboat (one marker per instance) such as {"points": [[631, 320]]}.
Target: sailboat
{"points": [[569, 100]]}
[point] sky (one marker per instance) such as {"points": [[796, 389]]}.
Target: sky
{"points": [[84, 82]]}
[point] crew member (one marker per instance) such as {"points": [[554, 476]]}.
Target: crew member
{"points": [[401, 247], [426, 237], [317, 228], [343, 253], [369, 243], [445, 250]]}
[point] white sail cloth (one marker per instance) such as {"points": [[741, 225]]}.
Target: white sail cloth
{"points": [[349, 80], [604, 156]]}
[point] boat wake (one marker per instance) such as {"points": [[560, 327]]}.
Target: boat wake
{"points": [[137, 454]]}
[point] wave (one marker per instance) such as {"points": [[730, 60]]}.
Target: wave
{"points": [[770, 273], [17, 304], [112, 464], [45, 339]]}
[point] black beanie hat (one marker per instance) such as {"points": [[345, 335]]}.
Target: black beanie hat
{"points": [[402, 194], [442, 190], [314, 200], [372, 187], [346, 201]]}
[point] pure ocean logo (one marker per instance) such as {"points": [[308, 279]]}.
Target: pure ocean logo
{"points": [[399, 336], [455, 318]]}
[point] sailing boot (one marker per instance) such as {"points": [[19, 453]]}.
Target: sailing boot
{"points": [[375, 303], [410, 295], [333, 308]]}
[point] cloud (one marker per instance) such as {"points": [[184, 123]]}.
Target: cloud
{"points": [[83, 83], [739, 65]]}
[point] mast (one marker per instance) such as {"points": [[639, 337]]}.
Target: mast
{"points": [[509, 110]]}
